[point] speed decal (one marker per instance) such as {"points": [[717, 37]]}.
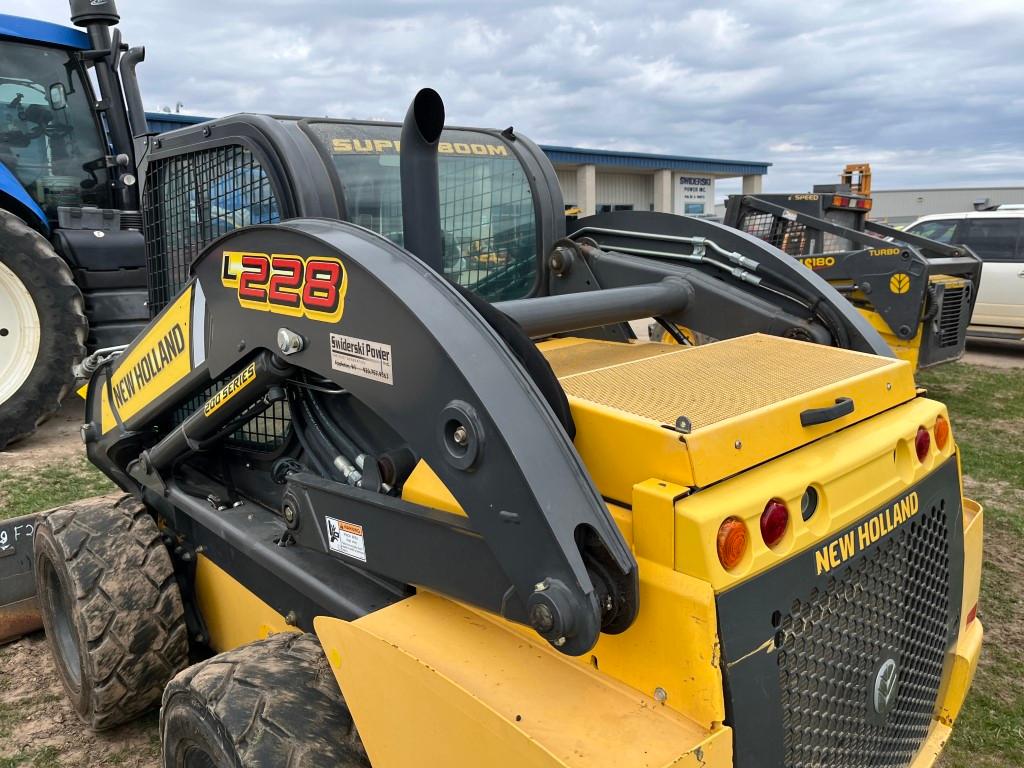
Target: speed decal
{"points": [[287, 284]]}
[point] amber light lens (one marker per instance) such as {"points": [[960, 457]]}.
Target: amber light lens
{"points": [[774, 520], [732, 541], [922, 443], [941, 433]]}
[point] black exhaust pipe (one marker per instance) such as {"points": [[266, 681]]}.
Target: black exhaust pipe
{"points": [[421, 198]]}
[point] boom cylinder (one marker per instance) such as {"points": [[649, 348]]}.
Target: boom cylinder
{"points": [[246, 388]]}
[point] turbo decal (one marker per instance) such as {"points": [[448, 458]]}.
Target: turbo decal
{"points": [[838, 551], [884, 252], [287, 284], [229, 390], [387, 146]]}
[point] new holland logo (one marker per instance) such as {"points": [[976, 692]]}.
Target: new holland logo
{"points": [[885, 687], [899, 283]]}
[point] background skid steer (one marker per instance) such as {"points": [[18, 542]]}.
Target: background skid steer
{"points": [[501, 520], [918, 293]]}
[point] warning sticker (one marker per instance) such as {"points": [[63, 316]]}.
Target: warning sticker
{"points": [[346, 538], [361, 357]]}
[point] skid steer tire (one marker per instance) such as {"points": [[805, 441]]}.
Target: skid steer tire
{"points": [[270, 703], [111, 608], [42, 329]]}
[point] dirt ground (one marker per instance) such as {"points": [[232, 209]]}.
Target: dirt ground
{"points": [[57, 439], [37, 723], [997, 354]]}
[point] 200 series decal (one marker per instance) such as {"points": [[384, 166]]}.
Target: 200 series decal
{"points": [[287, 284]]}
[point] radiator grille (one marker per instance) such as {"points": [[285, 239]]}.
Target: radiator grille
{"points": [[191, 199], [895, 603], [955, 304]]}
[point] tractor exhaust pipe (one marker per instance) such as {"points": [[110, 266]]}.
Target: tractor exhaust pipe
{"points": [[421, 198]]}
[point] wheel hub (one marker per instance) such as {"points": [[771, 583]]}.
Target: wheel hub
{"points": [[19, 333]]}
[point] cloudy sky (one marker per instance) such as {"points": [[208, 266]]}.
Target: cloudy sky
{"points": [[930, 92]]}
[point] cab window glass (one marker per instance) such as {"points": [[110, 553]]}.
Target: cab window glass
{"points": [[941, 231], [993, 239], [488, 222], [49, 139]]}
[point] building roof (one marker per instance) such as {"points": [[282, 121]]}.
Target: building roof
{"points": [[648, 161], [35, 31], [164, 121]]}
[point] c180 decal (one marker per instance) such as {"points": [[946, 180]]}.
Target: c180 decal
{"points": [[287, 284]]}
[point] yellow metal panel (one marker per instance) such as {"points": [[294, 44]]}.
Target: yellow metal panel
{"points": [[654, 519], [854, 471], [432, 683], [673, 645], [152, 364], [743, 398], [234, 616], [904, 349]]}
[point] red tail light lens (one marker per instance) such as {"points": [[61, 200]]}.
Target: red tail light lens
{"points": [[922, 443], [972, 615], [732, 542], [941, 433], [774, 520]]}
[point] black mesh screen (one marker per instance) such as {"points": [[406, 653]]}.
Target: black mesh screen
{"points": [[893, 604], [193, 198], [190, 200], [956, 303], [789, 236]]}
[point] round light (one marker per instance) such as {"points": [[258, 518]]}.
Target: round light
{"points": [[809, 503], [732, 542], [941, 433], [774, 520], [922, 443]]}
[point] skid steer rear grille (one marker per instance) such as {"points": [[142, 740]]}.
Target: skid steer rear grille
{"points": [[955, 302], [894, 604]]}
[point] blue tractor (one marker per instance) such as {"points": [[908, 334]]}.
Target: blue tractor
{"points": [[72, 253]]}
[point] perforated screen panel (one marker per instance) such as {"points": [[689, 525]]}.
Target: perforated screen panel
{"points": [[190, 200]]}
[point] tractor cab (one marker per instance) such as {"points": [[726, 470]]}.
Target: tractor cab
{"points": [[51, 139]]}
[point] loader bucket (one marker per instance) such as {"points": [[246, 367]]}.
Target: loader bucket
{"points": [[19, 610]]}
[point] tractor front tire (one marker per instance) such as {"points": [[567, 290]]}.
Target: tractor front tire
{"points": [[42, 329], [270, 703], [111, 608]]}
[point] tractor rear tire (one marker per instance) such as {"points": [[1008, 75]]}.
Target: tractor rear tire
{"points": [[42, 329], [270, 703], [111, 607]]}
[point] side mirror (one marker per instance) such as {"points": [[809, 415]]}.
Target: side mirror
{"points": [[57, 96]]}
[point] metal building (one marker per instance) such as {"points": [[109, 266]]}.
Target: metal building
{"points": [[596, 180], [902, 206]]}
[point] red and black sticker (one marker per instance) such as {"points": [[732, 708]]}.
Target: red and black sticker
{"points": [[287, 284]]}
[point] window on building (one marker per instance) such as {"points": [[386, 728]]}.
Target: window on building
{"points": [[609, 207], [694, 209]]}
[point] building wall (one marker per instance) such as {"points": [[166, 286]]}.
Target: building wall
{"points": [[902, 206], [567, 181], [634, 189]]}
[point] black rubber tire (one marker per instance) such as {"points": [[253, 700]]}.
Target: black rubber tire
{"points": [[268, 704], [111, 607], [63, 327]]}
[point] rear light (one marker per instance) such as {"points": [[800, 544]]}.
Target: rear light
{"points": [[922, 443], [774, 520], [732, 542], [840, 202], [972, 614], [941, 433], [864, 204]]}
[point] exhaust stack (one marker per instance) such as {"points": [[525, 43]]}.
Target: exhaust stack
{"points": [[421, 199]]}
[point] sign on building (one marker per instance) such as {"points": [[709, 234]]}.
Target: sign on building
{"points": [[694, 195]]}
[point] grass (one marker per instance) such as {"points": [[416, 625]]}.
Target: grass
{"points": [[987, 411], [23, 491]]}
